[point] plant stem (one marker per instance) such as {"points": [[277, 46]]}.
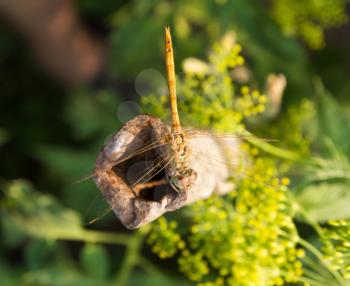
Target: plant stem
{"points": [[315, 276], [149, 267], [321, 269], [132, 257], [133, 245], [86, 236]]}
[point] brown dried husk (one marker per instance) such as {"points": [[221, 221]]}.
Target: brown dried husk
{"points": [[115, 181]]}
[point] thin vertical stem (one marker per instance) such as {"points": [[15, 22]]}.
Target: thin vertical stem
{"points": [[131, 259]]}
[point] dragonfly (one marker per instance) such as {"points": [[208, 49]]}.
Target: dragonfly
{"points": [[162, 159]]}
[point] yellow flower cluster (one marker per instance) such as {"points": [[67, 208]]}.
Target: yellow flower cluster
{"points": [[164, 239], [211, 99], [265, 222], [251, 103], [217, 282], [193, 265], [248, 240], [224, 58]]}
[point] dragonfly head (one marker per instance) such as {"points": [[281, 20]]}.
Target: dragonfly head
{"points": [[183, 180]]}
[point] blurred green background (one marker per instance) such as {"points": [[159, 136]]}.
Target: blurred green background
{"points": [[57, 112]]}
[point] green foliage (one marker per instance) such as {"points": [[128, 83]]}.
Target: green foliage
{"points": [[332, 120], [94, 260], [8, 275], [91, 119], [309, 18], [296, 129], [61, 274], [325, 201], [37, 215], [40, 216], [324, 189], [152, 279], [29, 213], [96, 115], [196, 25], [38, 253]]}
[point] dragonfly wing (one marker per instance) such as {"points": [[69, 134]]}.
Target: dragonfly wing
{"points": [[197, 133], [211, 176]]}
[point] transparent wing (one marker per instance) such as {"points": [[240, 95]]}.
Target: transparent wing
{"points": [[235, 161], [197, 134]]}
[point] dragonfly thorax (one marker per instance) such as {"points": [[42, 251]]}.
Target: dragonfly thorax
{"points": [[182, 176], [178, 146]]}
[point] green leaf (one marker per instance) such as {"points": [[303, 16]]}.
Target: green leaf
{"points": [[38, 214], [92, 115], [8, 276], [126, 49], [70, 166], [324, 191], [60, 274], [12, 234], [325, 201], [94, 260], [333, 120], [334, 166]]}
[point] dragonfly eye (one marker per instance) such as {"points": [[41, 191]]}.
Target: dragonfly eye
{"points": [[185, 180]]}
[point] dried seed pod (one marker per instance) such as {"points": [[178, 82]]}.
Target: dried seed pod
{"points": [[142, 147]]}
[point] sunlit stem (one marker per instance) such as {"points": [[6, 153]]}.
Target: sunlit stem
{"points": [[132, 257], [91, 236]]}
